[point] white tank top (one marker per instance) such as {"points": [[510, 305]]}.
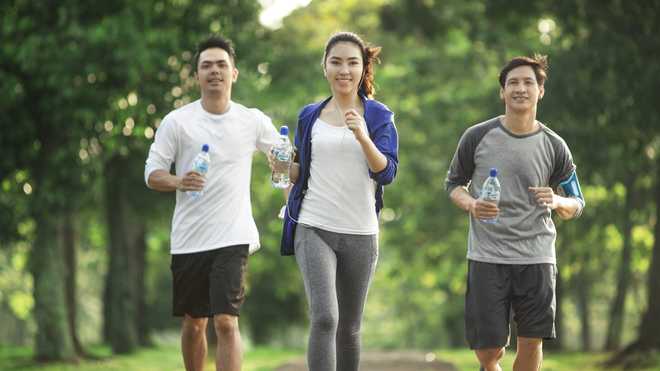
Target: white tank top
{"points": [[340, 196]]}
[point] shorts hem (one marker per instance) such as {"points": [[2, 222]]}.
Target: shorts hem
{"points": [[206, 315], [488, 346], [537, 336]]}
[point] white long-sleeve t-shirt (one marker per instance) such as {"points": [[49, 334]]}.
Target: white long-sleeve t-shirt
{"points": [[222, 216]]}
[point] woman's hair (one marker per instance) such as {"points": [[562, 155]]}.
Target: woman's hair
{"points": [[369, 57]]}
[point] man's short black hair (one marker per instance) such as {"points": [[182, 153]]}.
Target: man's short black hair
{"points": [[539, 64], [215, 41]]}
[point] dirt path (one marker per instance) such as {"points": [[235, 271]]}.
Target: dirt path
{"points": [[387, 361]]}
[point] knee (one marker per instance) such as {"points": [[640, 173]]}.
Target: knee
{"points": [[530, 345], [349, 329], [225, 324], [489, 356], [194, 326], [326, 322]]}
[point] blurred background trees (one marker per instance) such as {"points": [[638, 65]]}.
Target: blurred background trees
{"points": [[84, 250]]}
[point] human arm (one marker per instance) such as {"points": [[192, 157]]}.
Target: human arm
{"points": [[569, 204], [565, 207], [376, 160], [478, 208], [294, 172], [162, 154], [564, 194], [162, 181]]}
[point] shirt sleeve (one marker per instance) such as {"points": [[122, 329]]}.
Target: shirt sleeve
{"points": [[163, 150], [461, 167], [268, 135], [563, 166], [386, 139]]}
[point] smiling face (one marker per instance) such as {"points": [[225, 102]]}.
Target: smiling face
{"points": [[343, 68], [216, 72], [521, 91]]}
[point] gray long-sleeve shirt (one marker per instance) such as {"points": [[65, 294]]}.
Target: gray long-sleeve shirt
{"points": [[525, 232]]}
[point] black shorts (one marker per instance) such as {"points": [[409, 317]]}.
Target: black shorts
{"points": [[209, 282], [493, 290]]}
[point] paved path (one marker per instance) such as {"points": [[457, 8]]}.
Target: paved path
{"points": [[387, 361]]}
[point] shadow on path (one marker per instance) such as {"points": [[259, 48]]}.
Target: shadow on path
{"points": [[387, 361]]}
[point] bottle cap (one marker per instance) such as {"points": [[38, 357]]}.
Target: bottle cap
{"points": [[205, 148], [493, 172], [284, 130]]}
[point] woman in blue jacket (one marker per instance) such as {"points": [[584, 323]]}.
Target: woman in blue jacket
{"points": [[346, 152]]}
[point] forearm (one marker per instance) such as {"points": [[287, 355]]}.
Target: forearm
{"points": [[462, 198], [163, 181], [375, 159], [567, 207], [294, 172]]}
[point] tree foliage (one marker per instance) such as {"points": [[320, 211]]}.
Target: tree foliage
{"points": [[84, 87]]}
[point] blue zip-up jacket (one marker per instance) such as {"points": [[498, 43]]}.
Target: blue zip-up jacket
{"points": [[382, 132]]}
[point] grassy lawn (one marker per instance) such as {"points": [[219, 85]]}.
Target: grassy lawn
{"points": [[465, 360], [163, 358], [168, 358]]}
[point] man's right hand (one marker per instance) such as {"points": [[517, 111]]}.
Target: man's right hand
{"points": [[481, 209], [191, 181]]}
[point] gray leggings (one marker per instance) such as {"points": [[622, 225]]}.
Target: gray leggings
{"points": [[336, 269]]}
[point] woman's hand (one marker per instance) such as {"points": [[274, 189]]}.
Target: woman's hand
{"points": [[355, 123]]}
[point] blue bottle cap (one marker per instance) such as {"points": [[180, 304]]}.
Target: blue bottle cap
{"points": [[205, 148], [493, 172], [284, 130]]}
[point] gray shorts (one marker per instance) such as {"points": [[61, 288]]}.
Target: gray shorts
{"points": [[493, 290]]}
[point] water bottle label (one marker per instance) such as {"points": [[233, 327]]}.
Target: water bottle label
{"points": [[282, 156], [490, 193], [202, 167]]}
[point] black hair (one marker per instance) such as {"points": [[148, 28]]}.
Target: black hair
{"points": [[538, 62], [215, 41]]}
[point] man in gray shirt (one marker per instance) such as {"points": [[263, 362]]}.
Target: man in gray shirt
{"points": [[511, 263]]}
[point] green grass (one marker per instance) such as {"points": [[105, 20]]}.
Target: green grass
{"points": [[168, 358], [163, 358], [465, 360]]}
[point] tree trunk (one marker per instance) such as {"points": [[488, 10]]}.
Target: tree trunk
{"points": [[650, 326], [647, 340], [583, 305], [53, 339], [617, 311], [120, 282], [141, 319], [69, 238]]}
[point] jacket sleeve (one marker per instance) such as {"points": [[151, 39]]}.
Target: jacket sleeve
{"points": [[386, 140]]}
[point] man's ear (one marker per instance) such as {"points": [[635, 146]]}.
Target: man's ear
{"points": [[502, 94], [541, 91], [234, 74]]}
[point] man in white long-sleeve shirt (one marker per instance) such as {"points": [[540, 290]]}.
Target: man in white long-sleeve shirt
{"points": [[212, 235]]}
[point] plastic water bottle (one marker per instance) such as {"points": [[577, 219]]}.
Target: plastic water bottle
{"points": [[282, 156], [490, 191], [201, 165]]}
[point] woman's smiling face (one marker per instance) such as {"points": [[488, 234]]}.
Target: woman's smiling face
{"points": [[343, 68]]}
